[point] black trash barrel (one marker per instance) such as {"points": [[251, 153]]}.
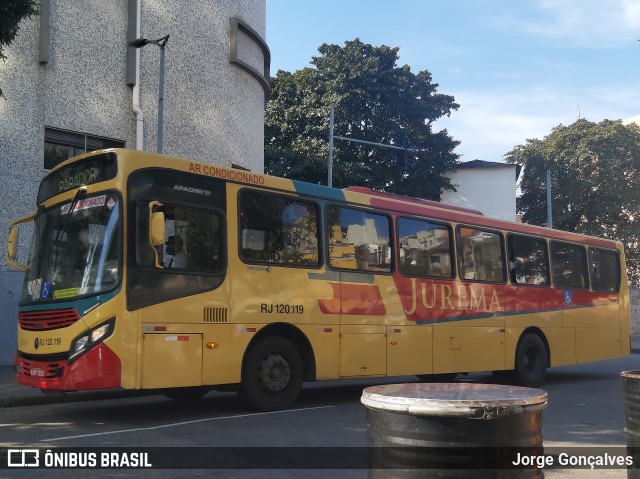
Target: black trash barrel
{"points": [[631, 385], [453, 430]]}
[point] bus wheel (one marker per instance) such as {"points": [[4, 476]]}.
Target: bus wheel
{"points": [[272, 374], [531, 361], [186, 394]]}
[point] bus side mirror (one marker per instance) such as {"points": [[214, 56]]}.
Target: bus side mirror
{"points": [[12, 243], [156, 229]]}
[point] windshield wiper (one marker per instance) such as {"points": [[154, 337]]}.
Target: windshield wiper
{"points": [[63, 227]]}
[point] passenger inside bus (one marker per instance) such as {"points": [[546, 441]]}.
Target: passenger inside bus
{"points": [[176, 258]]}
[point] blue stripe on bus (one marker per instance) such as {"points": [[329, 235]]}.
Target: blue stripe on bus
{"points": [[319, 191], [80, 305]]}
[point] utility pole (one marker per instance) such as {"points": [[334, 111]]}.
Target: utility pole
{"points": [[344, 138], [549, 216], [330, 166]]}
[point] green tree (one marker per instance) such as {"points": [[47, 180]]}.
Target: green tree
{"points": [[11, 14], [375, 100], [595, 173]]}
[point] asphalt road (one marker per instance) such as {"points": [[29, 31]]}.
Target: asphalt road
{"points": [[585, 409]]}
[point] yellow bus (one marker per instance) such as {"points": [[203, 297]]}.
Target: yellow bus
{"points": [[152, 272]]}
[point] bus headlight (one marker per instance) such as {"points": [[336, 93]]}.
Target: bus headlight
{"points": [[99, 333], [79, 345], [91, 338]]}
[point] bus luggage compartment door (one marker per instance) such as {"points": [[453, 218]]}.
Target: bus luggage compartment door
{"points": [[171, 360], [363, 351]]}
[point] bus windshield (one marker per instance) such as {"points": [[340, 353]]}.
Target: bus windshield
{"points": [[75, 253]]}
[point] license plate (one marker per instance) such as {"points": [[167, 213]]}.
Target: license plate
{"points": [[37, 372]]}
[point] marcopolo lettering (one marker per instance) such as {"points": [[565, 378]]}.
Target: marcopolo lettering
{"points": [[189, 189]]}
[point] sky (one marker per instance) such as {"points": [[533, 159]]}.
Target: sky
{"points": [[518, 68]]}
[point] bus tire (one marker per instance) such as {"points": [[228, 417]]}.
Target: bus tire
{"points": [[531, 361], [272, 374]]}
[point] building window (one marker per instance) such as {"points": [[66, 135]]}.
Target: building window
{"points": [[60, 145]]}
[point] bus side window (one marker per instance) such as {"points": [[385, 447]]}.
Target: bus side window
{"points": [[425, 248], [278, 229], [192, 239], [481, 255], [528, 260], [358, 240], [569, 263]]}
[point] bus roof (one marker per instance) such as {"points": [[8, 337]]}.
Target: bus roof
{"points": [[360, 195]]}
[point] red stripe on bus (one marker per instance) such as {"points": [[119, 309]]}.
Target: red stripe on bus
{"points": [[483, 221], [354, 299]]}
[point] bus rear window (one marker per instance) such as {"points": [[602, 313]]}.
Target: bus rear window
{"points": [[604, 269]]}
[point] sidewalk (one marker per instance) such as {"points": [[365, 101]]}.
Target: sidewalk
{"points": [[13, 394]]}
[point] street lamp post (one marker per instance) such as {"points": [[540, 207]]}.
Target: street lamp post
{"points": [[161, 42]]}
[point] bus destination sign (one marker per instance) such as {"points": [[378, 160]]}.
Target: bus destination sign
{"points": [[81, 173]]}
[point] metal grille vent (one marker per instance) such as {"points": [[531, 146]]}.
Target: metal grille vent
{"points": [[48, 319], [215, 315]]}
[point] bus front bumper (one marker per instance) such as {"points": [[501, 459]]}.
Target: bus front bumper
{"points": [[98, 368]]}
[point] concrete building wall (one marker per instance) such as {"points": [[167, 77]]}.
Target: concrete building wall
{"points": [[490, 190], [635, 311], [213, 108]]}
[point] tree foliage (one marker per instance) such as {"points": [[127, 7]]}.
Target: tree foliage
{"points": [[375, 100], [11, 14], [595, 173]]}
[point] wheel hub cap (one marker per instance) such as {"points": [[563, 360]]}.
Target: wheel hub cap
{"points": [[274, 373]]}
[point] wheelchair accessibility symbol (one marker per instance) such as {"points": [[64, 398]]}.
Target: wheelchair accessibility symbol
{"points": [[47, 286], [568, 297]]}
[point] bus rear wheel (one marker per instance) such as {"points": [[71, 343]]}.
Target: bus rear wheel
{"points": [[272, 374], [531, 361]]}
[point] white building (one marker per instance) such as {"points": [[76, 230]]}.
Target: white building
{"points": [[486, 186], [71, 83]]}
